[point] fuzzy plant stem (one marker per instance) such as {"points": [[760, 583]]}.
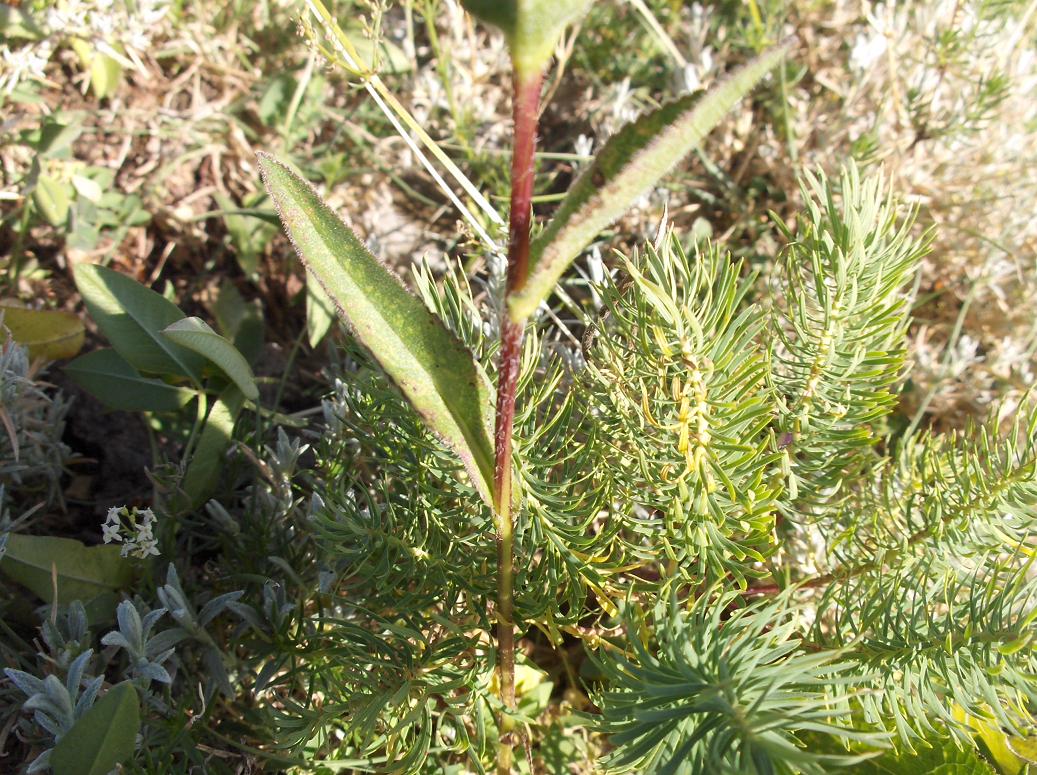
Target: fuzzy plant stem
{"points": [[526, 104]]}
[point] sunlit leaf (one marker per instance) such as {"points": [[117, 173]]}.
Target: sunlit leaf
{"points": [[632, 161], [49, 334], [17, 23], [195, 334], [429, 364], [51, 197], [532, 27], [320, 311], [132, 317], [105, 71]]}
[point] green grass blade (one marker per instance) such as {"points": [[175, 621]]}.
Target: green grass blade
{"points": [[629, 165], [429, 364]]}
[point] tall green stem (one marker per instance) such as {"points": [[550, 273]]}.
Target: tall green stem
{"points": [[525, 109]]}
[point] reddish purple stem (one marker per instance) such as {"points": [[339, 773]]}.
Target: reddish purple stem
{"points": [[525, 107]]}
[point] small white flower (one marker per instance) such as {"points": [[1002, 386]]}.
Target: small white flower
{"points": [[134, 528], [112, 527], [689, 80], [584, 146], [24, 62], [595, 266], [111, 533], [867, 50]]}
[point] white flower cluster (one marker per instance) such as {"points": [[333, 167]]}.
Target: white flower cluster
{"points": [[22, 63], [133, 528], [108, 21], [118, 28]]}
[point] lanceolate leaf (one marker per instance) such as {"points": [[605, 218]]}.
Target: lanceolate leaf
{"points": [[194, 334], [629, 165], [429, 364], [112, 380], [132, 317], [105, 736]]}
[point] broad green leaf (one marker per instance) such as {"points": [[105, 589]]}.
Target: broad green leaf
{"points": [[57, 133], [320, 311], [632, 161], [51, 197], [49, 334], [935, 755], [103, 737], [88, 188], [1008, 753], [1025, 748], [132, 317], [946, 760], [105, 72], [195, 334], [81, 572], [428, 363], [203, 471], [107, 376], [532, 27], [16, 23]]}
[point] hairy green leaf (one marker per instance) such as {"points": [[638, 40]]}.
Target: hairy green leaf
{"points": [[196, 335], [532, 27], [629, 165], [427, 362], [103, 737], [77, 571], [132, 317], [107, 376]]}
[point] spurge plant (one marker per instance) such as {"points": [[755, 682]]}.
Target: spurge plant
{"points": [[709, 494]]}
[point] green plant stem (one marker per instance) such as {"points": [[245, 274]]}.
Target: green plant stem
{"points": [[525, 110]]}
